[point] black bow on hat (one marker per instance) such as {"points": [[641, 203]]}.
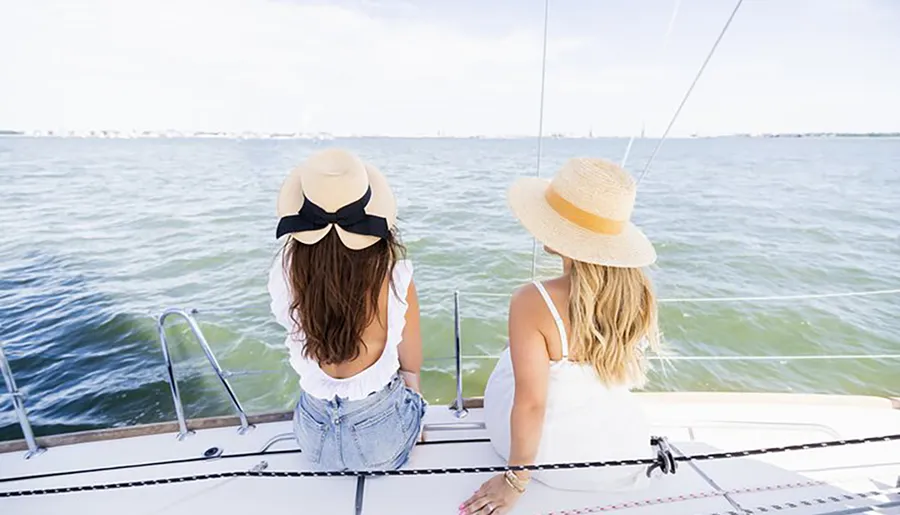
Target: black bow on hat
{"points": [[351, 218]]}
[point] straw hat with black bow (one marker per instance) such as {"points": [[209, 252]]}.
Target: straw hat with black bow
{"points": [[584, 214], [335, 190]]}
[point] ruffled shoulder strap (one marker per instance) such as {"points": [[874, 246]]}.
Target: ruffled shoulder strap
{"points": [[403, 273], [280, 293], [397, 301]]}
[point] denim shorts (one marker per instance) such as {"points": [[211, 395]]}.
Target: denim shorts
{"points": [[374, 433]]}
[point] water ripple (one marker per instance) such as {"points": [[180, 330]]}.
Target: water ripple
{"points": [[148, 224]]}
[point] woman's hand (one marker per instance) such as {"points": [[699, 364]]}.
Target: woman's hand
{"points": [[411, 380], [495, 497]]}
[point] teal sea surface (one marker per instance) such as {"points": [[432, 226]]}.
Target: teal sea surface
{"points": [[99, 236]]}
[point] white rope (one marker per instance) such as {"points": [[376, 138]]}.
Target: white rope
{"points": [[656, 79], [796, 357], [737, 299], [689, 91], [785, 297], [540, 148], [484, 294]]}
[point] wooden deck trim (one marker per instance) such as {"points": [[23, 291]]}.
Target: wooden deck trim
{"points": [[473, 403]]}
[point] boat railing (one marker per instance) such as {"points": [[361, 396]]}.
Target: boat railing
{"points": [[18, 403], [460, 410], [459, 404], [183, 431]]}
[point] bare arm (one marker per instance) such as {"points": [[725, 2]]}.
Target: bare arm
{"points": [[410, 348], [531, 367]]}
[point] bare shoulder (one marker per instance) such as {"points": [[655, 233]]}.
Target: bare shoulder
{"points": [[527, 315], [411, 294], [526, 305], [524, 297], [558, 287]]}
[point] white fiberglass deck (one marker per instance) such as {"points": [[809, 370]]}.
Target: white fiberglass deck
{"points": [[815, 481]]}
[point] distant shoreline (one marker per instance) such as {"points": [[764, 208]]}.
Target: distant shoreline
{"points": [[823, 135], [98, 134]]}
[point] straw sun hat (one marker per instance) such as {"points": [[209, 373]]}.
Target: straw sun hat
{"points": [[335, 190], [584, 213]]}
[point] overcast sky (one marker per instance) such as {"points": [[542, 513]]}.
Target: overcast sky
{"points": [[462, 67]]}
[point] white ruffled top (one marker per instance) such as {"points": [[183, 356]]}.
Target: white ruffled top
{"points": [[313, 380]]}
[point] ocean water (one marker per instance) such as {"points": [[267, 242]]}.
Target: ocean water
{"points": [[98, 236]]}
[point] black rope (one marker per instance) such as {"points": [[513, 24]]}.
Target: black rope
{"points": [[144, 465], [181, 461], [440, 471], [797, 447]]}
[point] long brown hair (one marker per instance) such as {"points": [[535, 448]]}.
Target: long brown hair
{"points": [[335, 292], [612, 310]]}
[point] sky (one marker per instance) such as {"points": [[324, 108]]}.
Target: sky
{"points": [[456, 68]]}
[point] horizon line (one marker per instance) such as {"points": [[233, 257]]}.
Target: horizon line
{"points": [[213, 134]]}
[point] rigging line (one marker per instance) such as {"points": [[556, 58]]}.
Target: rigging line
{"points": [[662, 52], [133, 466], [441, 471], [540, 147], [689, 91], [794, 357], [807, 296], [197, 459]]}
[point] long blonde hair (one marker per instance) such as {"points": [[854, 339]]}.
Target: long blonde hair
{"points": [[611, 311]]}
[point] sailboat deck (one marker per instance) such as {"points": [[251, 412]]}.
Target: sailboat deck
{"points": [[694, 423]]}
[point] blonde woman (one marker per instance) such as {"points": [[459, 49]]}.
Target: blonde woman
{"points": [[560, 392]]}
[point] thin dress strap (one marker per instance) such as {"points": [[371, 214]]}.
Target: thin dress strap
{"points": [[558, 319]]}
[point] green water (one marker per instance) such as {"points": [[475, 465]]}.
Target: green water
{"points": [[100, 234]]}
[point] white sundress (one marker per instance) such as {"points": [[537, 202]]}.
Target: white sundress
{"points": [[585, 420], [313, 380]]}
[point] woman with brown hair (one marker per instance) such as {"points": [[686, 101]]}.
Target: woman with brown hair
{"points": [[345, 293], [560, 392]]}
